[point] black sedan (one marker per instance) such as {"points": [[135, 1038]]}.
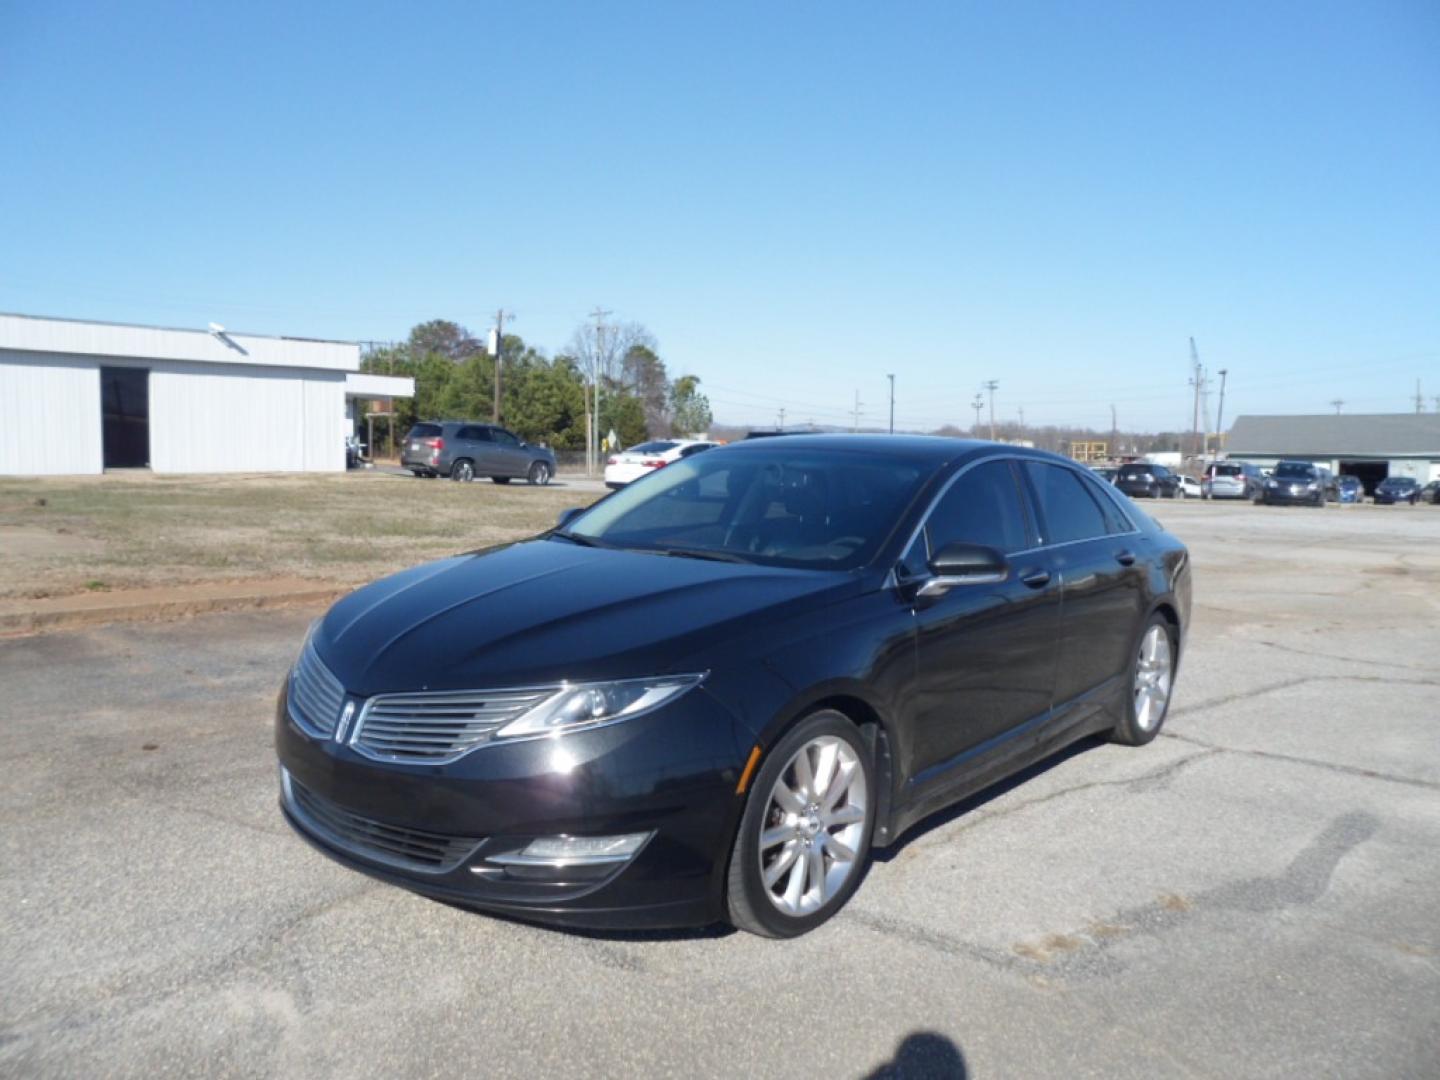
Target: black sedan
{"points": [[711, 694], [1397, 489], [1141, 480]]}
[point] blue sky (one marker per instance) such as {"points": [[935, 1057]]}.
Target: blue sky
{"points": [[795, 198]]}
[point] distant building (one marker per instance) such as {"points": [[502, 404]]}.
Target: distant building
{"points": [[80, 397], [1371, 447]]}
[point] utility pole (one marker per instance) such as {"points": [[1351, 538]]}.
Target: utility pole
{"points": [[977, 405], [592, 454], [1197, 380], [498, 352], [781, 425], [856, 425], [1419, 399], [892, 403], [1220, 415], [1337, 402], [1022, 421], [1114, 435], [992, 385]]}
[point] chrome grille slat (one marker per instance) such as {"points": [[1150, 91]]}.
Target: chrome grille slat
{"points": [[435, 728], [316, 696], [415, 849]]}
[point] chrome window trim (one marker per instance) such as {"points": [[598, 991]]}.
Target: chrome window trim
{"points": [[1042, 546]]}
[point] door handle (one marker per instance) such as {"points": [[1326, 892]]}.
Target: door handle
{"points": [[1036, 579], [1125, 558]]}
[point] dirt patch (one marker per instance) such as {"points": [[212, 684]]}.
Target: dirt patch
{"points": [[26, 542]]}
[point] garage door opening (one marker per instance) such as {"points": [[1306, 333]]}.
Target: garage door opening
{"points": [[125, 416], [1368, 473]]}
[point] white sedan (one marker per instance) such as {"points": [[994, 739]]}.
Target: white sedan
{"points": [[635, 462], [1189, 488]]}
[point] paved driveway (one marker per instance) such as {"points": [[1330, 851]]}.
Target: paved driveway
{"points": [[1256, 894]]}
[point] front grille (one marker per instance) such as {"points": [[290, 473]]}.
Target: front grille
{"points": [[411, 849], [434, 728], [316, 696]]}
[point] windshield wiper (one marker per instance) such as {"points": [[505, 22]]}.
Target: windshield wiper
{"points": [[578, 538], [704, 553]]}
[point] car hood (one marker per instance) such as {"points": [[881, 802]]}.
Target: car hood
{"points": [[546, 610]]}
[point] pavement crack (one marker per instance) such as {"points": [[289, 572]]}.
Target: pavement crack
{"points": [[1291, 684], [1294, 759], [1334, 657]]}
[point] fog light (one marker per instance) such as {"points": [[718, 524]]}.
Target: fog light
{"points": [[574, 850]]}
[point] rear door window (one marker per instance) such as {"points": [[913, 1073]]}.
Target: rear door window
{"points": [[1067, 510]]}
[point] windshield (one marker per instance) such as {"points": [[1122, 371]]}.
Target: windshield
{"points": [[825, 510], [1401, 481], [1295, 470], [652, 448]]}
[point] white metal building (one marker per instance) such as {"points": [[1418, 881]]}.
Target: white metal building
{"points": [[80, 397]]}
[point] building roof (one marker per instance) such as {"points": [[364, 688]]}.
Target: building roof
{"points": [[1374, 435], [77, 337]]}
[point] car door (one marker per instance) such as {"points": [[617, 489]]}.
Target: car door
{"points": [[474, 443], [1094, 549], [985, 653], [511, 458]]}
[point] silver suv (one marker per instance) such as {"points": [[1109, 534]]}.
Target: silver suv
{"points": [[463, 450], [1232, 480]]}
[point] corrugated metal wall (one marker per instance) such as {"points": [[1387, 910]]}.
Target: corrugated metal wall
{"points": [[49, 415], [204, 418], [239, 419]]}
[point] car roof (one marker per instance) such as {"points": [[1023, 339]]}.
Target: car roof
{"points": [[931, 450]]}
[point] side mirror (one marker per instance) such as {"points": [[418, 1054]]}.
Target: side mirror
{"points": [[964, 564], [567, 516]]}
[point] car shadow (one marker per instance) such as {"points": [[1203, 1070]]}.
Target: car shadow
{"points": [[923, 1054], [975, 802]]}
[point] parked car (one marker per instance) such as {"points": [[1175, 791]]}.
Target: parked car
{"points": [[1232, 480], [1141, 480], [1298, 482], [1397, 489], [636, 462], [1105, 472], [1431, 492], [1189, 488], [710, 695], [1349, 489], [464, 450]]}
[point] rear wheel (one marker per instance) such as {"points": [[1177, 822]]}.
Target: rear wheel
{"points": [[462, 471], [1152, 675], [804, 837], [539, 473]]}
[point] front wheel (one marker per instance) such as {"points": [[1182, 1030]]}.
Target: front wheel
{"points": [[539, 474], [805, 835], [1152, 676]]}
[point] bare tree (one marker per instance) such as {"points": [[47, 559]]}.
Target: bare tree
{"points": [[599, 349]]}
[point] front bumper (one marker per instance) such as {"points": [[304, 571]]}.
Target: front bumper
{"points": [[670, 774], [1286, 497]]}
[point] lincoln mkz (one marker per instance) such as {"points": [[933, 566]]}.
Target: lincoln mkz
{"points": [[711, 695]]}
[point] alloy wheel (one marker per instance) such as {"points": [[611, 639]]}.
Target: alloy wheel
{"points": [[1154, 671], [540, 473], [813, 826], [463, 472]]}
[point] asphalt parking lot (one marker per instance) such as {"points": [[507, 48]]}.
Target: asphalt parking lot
{"points": [[1255, 894]]}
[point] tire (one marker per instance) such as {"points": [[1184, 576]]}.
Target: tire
{"points": [[751, 904], [463, 471], [419, 473], [500, 479], [539, 474], [1143, 722]]}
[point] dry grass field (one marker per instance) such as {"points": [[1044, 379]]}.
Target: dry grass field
{"points": [[68, 535]]}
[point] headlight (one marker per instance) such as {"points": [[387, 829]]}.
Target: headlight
{"points": [[586, 705]]}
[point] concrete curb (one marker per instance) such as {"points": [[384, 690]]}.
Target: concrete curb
{"points": [[52, 614]]}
